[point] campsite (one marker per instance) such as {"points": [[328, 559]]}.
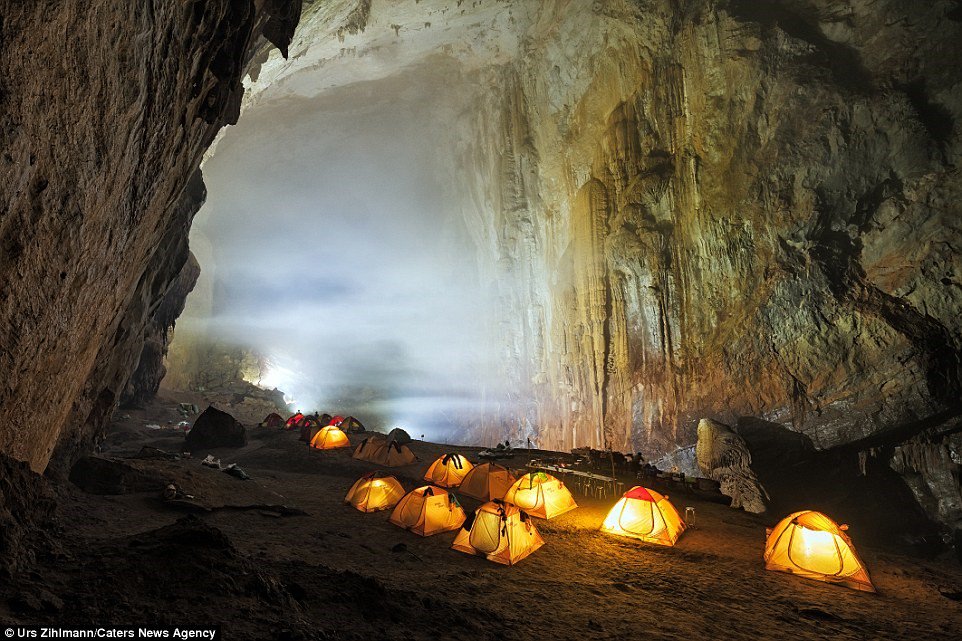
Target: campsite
{"points": [[330, 571]]}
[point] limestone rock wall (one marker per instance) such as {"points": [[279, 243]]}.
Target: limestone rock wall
{"points": [[718, 210], [106, 108]]}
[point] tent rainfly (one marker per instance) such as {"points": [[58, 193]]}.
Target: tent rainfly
{"points": [[500, 532], [329, 438], [645, 514], [448, 470], [374, 492], [811, 545], [272, 420], [540, 495], [375, 449], [487, 482], [428, 510]]}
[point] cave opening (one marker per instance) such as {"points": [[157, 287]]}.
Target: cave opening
{"points": [[336, 262]]}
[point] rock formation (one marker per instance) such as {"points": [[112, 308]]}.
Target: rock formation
{"points": [[106, 108], [723, 456], [145, 381]]}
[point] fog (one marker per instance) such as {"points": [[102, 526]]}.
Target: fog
{"points": [[331, 246]]}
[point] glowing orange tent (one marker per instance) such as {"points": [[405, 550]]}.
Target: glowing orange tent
{"points": [[374, 492], [329, 438], [448, 471], [486, 482], [645, 514], [500, 532], [540, 495], [428, 510], [383, 452], [813, 546]]}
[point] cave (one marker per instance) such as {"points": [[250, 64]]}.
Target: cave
{"points": [[272, 272]]}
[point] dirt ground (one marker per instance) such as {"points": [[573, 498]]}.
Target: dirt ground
{"points": [[335, 573]]}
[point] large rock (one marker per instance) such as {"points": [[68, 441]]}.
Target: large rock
{"points": [[214, 428], [723, 456]]}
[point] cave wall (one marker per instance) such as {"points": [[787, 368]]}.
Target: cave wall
{"points": [[723, 211], [106, 108]]}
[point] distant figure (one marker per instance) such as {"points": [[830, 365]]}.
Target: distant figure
{"points": [[529, 442]]}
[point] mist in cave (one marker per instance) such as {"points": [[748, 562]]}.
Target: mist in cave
{"points": [[331, 249]]}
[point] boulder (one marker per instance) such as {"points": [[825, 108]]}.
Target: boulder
{"points": [[214, 428], [723, 456]]}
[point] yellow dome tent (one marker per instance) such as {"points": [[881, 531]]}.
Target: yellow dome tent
{"points": [[540, 495], [384, 452], [812, 545], [427, 511], [329, 438], [374, 492], [501, 533], [486, 482], [448, 471], [645, 514]]}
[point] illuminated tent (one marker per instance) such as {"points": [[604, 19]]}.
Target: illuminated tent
{"points": [[645, 514], [376, 449], [272, 420], [487, 482], [294, 420], [812, 545], [428, 510], [351, 425], [540, 495], [448, 471], [329, 438], [500, 532], [374, 492]]}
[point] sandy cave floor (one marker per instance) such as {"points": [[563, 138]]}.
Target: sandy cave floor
{"points": [[336, 573]]}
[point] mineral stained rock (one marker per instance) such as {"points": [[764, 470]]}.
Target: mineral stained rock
{"points": [[723, 456]]}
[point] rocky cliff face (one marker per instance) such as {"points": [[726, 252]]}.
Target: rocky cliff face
{"points": [[106, 108]]}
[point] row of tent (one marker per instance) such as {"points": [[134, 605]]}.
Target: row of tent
{"points": [[301, 421], [806, 543]]}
